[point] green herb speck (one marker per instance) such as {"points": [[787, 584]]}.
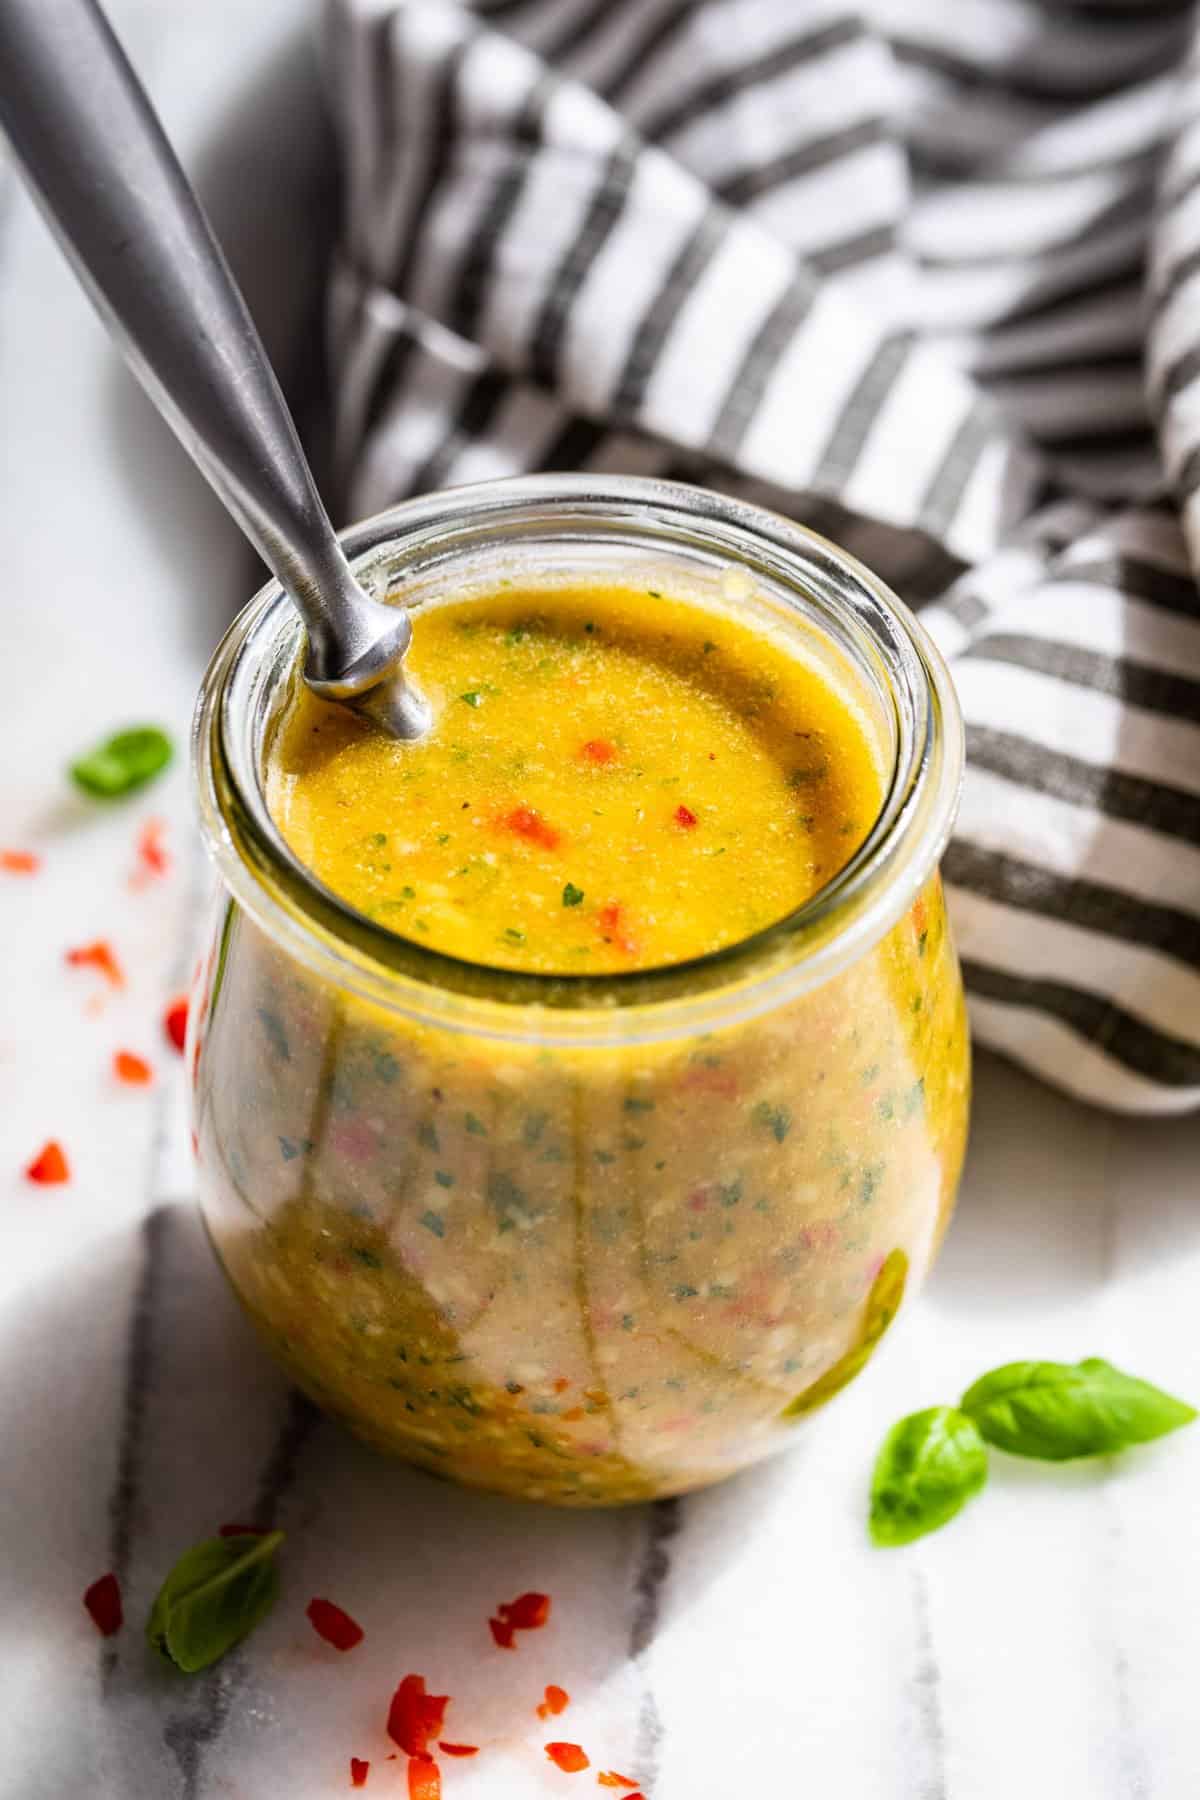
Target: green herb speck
{"points": [[572, 895], [443, 1178], [475, 1126], [473, 698], [434, 1222]]}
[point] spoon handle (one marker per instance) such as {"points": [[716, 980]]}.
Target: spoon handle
{"points": [[100, 163]]}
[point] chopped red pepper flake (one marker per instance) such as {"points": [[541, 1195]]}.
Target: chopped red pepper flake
{"points": [[528, 823], [359, 1770], [610, 1778], [175, 1021], [152, 858], [243, 1530], [134, 1070], [49, 1166], [528, 1612], [502, 1631], [557, 1700], [614, 927], [568, 1757], [685, 816], [459, 1749], [599, 750], [98, 956], [415, 1716], [20, 862], [334, 1625], [424, 1779], [103, 1601]]}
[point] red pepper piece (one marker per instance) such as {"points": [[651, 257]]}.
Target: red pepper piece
{"points": [[334, 1625], [610, 1778], [103, 1601], [175, 1021], [359, 1770], [152, 858], [459, 1749], [557, 1700], [20, 862], [49, 1166], [528, 1612], [568, 1757], [243, 1530], [685, 816], [502, 1631], [424, 1779], [599, 751], [415, 1716], [615, 928], [135, 1071], [98, 956], [528, 823]]}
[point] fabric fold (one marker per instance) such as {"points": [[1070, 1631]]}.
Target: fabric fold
{"points": [[883, 269]]}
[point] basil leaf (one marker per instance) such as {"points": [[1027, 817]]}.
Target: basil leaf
{"points": [[930, 1465], [122, 763], [1056, 1411], [215, 1595]]}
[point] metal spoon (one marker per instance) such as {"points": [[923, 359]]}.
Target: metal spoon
{"points": [[99, 161]]}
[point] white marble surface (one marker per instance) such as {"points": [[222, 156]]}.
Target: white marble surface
{"points": [[745, 1642]]}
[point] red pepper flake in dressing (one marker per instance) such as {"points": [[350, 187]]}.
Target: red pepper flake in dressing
{"points": [[103, 1602], [686, 817], [133, 1070], [614, 928], [153, 860], [424, 1779], [557, 1700], [502, 1632], [175, 1021], [98, 956], [49, 1167], [415, 1716], [610, 1778], [528, 1612], [526, 822], [598, 751], [20, 862], [459, 1749], [568, 1757], [334, 1625], [359, 1770]]}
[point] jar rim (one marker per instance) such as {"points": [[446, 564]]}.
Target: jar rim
{"points": [[828, 931]]}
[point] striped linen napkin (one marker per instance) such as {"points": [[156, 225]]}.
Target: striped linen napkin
{"points": [[890, 269]]}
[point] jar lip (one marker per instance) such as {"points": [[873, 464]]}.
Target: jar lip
{"points": [[827, 932]]}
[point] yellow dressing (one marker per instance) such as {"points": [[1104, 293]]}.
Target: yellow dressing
{"points": [[614, 780]]}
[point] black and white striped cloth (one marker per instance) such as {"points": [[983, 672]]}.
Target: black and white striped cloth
{"points": [[923, 275]]}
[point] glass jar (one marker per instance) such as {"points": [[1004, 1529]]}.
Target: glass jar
{"points": [[583, 1239]]}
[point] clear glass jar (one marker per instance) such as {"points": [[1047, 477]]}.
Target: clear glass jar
{"points": [[583, 1239]]}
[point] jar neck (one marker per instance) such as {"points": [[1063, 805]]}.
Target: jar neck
{"points": [[714, 549]]}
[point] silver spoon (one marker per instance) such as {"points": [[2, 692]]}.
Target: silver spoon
{"points": [[99, 161]]}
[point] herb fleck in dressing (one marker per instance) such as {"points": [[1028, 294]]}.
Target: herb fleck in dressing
{"points": [[600, 1272]]}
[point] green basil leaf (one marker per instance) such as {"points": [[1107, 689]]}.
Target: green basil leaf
{"points": [[930, 1465], [122, 763], [215, 1595], [1056, 1411]]}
